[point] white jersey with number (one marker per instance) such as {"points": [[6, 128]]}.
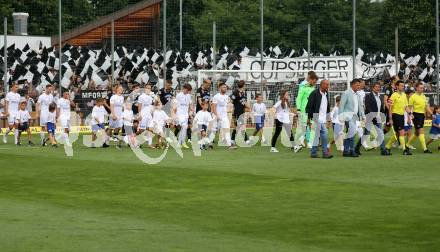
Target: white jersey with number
{"points": [[64, 106], [13, 100], [118, 104], [221, 102], [183, 101], [99, 113]]}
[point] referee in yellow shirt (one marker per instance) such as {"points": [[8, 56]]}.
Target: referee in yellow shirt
{"points": [[399, 104], [418, 104]]}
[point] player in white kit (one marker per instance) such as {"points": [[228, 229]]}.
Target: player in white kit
{"points": [[11, 110], [128, 118], [202, 121], [99, 115], [160, 120], [182, 112], [145, 105], [116, 109], [259, 111], [43, 102], [22, 121], [219, 108], [64, 105]]}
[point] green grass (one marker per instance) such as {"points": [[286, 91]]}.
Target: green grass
{"points": [[243, 200]]}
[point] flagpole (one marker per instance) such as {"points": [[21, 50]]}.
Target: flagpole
{"points": [[437, 49], [262, 42], [60, 71], [164, 41], [5, 54], [180, 25], [214, 45], [397, 50], [113, 51], [354, 39], [309, 35]]}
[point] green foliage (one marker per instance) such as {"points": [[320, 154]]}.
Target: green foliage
{"points": [[416, 22], [238, 22]]}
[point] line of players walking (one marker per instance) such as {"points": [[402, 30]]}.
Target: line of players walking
{"points": [[355, 113]]}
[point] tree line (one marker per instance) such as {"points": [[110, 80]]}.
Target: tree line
{"points": [[238, 22]]}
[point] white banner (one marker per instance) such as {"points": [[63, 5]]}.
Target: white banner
{"points": [[367, 71], [342, 65]]}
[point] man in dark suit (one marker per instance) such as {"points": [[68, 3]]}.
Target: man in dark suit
{"points": [[374, 111], [318, 111]]}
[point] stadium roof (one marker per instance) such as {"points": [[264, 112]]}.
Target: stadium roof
{"points": [[142, 16]]}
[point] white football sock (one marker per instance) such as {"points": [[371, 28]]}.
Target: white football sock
{"points": [[16, 136], [66, 138], [228, 138], [182, 134], [42, 136], [211, 136]]}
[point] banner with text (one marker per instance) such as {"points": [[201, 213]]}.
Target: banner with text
{"points": [[342, 65]]}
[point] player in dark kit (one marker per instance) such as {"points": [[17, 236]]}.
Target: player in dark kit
{"points": [[239, 100], [166, 94], [203, 94]]}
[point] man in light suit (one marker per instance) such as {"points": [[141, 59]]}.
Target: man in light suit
{"points": [[351, 109]]}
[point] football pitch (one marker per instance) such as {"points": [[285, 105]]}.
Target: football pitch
{"points": [[242, 200]]}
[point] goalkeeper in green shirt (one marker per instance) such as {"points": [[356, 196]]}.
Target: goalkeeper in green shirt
{"points": [[305, 89]]}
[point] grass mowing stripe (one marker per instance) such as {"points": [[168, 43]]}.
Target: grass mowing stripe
{"points": [[419, 171], [104, 232], [249, 199], [300, 211]]}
